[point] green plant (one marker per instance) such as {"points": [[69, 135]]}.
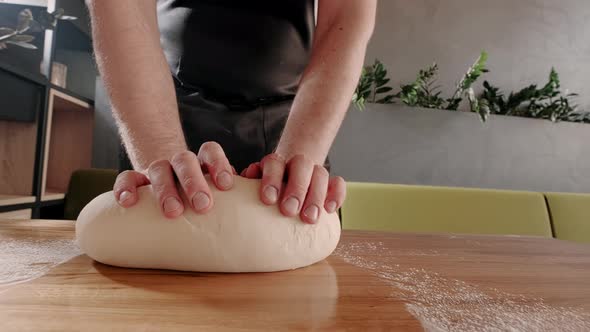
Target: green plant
{"points": [[372, 83], [422, 92], [464, 87], [27, 23], [547, 102]]}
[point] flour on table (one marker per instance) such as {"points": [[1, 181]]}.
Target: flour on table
{"points": [[443, 304], [28, 258]]}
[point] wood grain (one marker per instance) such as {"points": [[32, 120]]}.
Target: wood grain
{"points": [[69, 141], [17, 214], [345, 292], [17, 157], [15, 199]]}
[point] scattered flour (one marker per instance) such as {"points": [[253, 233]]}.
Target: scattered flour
{"points": [[442, 304], [28, 258]]}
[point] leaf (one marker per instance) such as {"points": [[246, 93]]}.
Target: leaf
{"points": [[360, 104], [45, 20], [6, 31], [36, 27], [472, 75], [22, 44], [24, 20], [385, 81], [386, 100], [58, 13], [68, 18], [22, 38]]}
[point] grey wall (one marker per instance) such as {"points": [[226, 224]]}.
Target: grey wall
{"points": [[524, 38], [397, 144]]}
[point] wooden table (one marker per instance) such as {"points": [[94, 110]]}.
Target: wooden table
{"points": [[374, 281]]}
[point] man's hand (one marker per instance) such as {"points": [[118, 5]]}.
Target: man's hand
{"points": [[189, 170], [308, 189]]}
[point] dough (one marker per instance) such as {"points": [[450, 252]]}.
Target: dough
{"points": [[239, 234]]}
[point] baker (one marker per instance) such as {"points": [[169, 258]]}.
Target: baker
{"points": [[227, 86]]}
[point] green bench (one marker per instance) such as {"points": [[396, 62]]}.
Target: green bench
{"points": [[570, 214], [401, 208]]}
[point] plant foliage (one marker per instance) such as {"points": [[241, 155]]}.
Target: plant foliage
{"points": [[372, 86], [546, 102], [27, 23]]}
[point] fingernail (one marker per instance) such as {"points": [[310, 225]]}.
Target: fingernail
{"points": [[312, 212], [171, 204], [331, 207], [271, 193], [291, 205], [201, 201], [125, 195], [225, 180]]}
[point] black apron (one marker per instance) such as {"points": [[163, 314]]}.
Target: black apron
{"points": [[236, 67]]}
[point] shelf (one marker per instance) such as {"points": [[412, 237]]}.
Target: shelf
{"points": [[52, 195], [66, 100], [6, 200], [72, 94], [68, 142], [17, 157], [16, 215], [35, 78]]}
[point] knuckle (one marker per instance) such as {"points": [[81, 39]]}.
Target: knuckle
{"points": [[299, 158], [297, 189], [162, 190], [273, 157], [272, 175], [159, 189], [338, 181], [210, 146], [123, 180], [320, 171], [158, 167], [301, 162], [317, 195], [219, 163], [182, 157], [190, 184], [126, 174]]}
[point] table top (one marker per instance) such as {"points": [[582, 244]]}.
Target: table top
{"points": [[374, 280]]}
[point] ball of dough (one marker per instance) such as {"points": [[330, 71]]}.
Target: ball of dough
{"points": [[239, 234]]}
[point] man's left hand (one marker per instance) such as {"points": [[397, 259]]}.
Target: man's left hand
{"points": [[300, 187]]}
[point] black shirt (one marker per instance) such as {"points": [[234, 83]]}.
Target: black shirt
{"points": [[237, 49]]}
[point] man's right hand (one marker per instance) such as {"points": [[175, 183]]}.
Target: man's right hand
{"points": [[189, 170]]}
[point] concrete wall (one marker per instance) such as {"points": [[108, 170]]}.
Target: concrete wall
{"points": [[524, 39], [397, 144]]}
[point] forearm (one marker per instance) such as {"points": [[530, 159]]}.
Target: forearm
{"points": [[137, 78], [326, 87]]}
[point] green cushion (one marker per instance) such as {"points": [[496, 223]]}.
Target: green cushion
{"points": [[570, 214], [84, 186], [402, 208]]}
